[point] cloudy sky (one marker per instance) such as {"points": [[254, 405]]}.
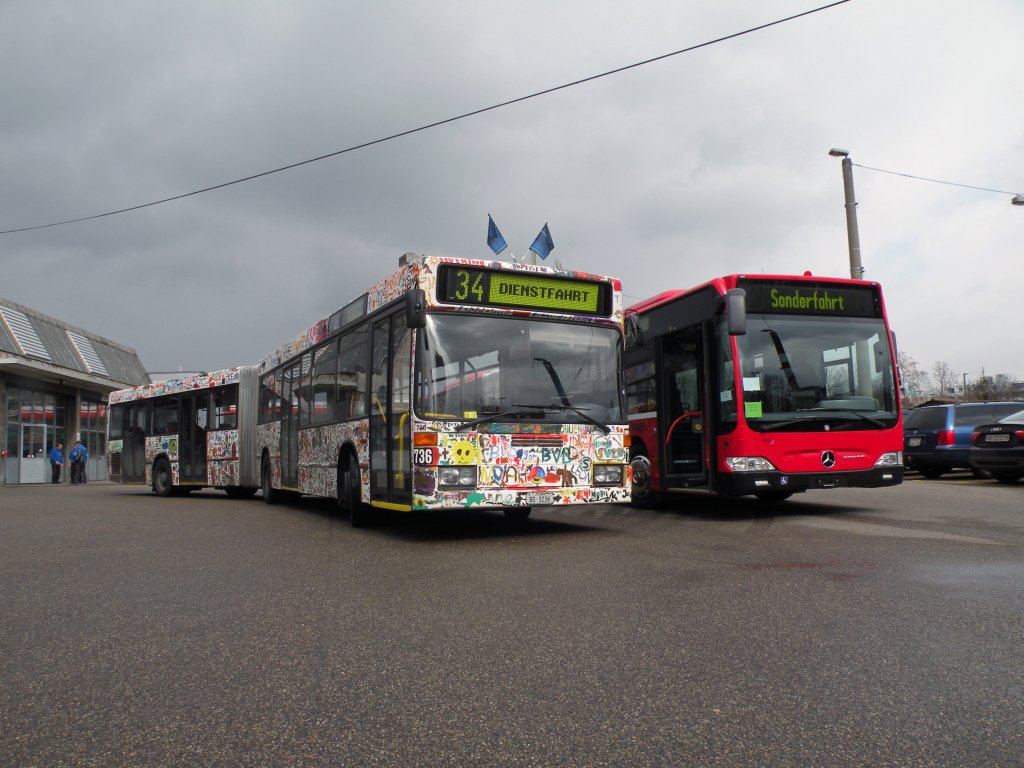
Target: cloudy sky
{"points": [[710, 162]]}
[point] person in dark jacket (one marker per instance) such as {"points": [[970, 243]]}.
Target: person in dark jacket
{"points": [[56, 460]]}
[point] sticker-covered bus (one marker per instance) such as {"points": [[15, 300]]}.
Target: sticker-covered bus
{"points": [[763, 385], [184, 434], [453, 384]]}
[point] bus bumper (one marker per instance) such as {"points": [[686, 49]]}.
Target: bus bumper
{"points": [[746, 483]]}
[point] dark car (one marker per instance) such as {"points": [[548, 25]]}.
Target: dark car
{"points": [[999, 448], [936, 437]]}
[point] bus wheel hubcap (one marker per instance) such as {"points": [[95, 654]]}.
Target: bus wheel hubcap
{"points": [[641, 469]]}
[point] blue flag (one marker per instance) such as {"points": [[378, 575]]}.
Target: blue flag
{"points": [[494, 238], [543, 244]]}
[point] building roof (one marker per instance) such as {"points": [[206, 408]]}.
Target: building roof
{"points": [[33, 344]]}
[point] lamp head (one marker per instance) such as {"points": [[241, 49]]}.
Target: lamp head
{"points": [[1017, 200], [836, 152]]}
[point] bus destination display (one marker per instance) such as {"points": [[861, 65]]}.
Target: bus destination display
{"points": [[487, 287], [811, 298]]}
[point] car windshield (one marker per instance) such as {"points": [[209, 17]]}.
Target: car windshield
{"points": [[1013, 418], [480, 369], [809, 373], [925, 418]]}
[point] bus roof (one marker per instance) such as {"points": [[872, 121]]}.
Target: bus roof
{"points": [[176, 386], [414, 271], [725, 282]]}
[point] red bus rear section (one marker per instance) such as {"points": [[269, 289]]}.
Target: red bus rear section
{"points": [[766, 385]]}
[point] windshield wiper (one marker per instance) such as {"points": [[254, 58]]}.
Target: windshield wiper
{"points": [[516, 410], [555, 379], [565, 407]]}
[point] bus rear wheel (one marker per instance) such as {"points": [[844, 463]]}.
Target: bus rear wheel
{"points": [[162, 484], [270, 496]]}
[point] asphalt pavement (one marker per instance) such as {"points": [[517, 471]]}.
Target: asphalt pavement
{"points": [[841, 628]]}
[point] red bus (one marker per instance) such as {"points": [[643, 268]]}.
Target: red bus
{"points": [[767, 385]]}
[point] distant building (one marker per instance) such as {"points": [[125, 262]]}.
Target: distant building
{"points": [[54, 382]]}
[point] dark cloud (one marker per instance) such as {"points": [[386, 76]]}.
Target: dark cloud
{"points": [[706, 163]]}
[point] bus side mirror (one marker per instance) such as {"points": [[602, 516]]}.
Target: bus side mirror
{"points": [[416, 308], [736, 311], [633, 330]]}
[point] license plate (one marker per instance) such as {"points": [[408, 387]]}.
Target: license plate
{"points": [[913, 442], [540, 498], [997, 438]]}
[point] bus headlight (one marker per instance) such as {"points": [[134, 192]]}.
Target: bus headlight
{"points": [[891, 459], [749, 464], [457, 477], [607, 474]]}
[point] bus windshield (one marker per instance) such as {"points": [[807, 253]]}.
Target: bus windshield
{"points": [[803, 373], [469, 367]]}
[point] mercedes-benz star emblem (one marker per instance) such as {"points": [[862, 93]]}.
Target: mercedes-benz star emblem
{"points": [[828, 458]]}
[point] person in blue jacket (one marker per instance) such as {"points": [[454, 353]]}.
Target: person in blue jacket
{"points": [[77, 457], [56, 460]]}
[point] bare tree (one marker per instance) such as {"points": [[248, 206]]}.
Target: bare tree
{"points": [[914, 382], [945, 378]]}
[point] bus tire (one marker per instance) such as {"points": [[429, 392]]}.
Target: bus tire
{"points": [[349, 493], [640, 467], [270, 496], [162, 483]]}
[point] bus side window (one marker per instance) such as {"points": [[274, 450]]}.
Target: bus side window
{"points": [[352, 379]]}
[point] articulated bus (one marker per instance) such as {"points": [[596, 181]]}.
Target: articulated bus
{"points": [[765, 385], [451, 384], [185, 434]]}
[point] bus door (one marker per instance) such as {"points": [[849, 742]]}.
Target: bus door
{"points": [[290, 425], [192, 439], [133, 446], [683, 417], [390, 403]]}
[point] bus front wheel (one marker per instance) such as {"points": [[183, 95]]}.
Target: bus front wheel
{"points": [[350, 493], [642, 495], [162, 485]]}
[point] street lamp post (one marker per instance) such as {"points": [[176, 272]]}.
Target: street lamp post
{"points": [[852, 233], [963, 393]]}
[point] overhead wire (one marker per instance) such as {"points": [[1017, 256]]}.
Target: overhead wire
{"points": [[933, 181], [429, 126]]}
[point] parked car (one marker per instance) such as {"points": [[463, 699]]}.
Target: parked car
{"points": [[999, 448], [936, 437]]}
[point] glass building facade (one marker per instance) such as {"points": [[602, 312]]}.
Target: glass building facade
{"points": [[54, 381]]}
